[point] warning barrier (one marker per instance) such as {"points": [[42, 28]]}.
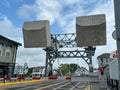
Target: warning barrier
{"points": [[68, 78], [36, 78], [6, 79], [52, 78], [21, 78]]}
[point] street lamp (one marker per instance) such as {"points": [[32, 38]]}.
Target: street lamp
{"points": [[117, 24]]}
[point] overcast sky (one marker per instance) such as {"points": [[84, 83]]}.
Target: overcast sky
{"points": [[62, 15]]}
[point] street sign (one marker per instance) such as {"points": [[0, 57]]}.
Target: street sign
{"points": [[114, 55]]}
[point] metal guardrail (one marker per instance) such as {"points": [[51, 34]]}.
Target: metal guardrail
{"points": [[85, 78]]}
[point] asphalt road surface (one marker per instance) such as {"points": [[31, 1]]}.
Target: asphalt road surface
{"points": [[47, 85]]}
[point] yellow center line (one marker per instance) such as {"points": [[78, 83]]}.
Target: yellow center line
{"points": [[50, 85], [88, 86]]}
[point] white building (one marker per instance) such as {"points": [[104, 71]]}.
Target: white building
{"points": [[103, 61], [38, 71], [21, 69]]}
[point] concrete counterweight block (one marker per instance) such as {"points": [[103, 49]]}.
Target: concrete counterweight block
{"points": [[91, 30], [36, 34]]}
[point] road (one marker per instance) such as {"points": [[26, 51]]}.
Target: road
{"points": [[76, 83], [48, 85]]}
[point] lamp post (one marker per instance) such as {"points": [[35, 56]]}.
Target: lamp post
{"points": [[117, 24]]}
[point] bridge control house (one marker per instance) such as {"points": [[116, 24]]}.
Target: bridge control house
{"points": [[8, 51]]}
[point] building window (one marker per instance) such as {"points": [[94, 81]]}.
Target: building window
{"points": [[1, 49], [8, 51], [101, 60], [106, 60]]}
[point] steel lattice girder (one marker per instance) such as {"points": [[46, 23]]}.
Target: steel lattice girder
{"points": [[64, 39], [71, 54], [75, 54], [61, 40]]}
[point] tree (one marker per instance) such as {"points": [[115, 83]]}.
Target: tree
{"points": [[74, 67], [30, 71], [67, 69]]}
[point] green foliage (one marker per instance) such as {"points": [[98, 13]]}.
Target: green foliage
{"points": [[67, 69], [30, 71]]}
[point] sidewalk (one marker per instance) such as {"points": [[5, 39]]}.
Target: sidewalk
{"points": [[21, 82]]}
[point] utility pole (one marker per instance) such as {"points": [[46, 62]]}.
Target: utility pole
{"points": [[117, 25]]}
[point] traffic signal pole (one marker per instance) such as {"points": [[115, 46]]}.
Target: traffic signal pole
{"points": [[117, 25]]}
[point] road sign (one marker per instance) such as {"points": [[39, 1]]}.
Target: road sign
{"points": [[114, 55]]}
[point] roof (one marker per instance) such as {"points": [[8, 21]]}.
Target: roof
{"points": [[39, 67], [10, 40], [105, 55]]}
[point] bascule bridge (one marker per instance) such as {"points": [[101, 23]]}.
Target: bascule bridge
{"points": [[90, 32]]}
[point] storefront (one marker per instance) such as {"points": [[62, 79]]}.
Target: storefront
{"points": [[6, 70]]}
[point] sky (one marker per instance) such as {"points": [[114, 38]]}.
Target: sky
{"points": [[62, 15]]}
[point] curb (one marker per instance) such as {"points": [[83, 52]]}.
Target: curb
{"points": [[22, 82]]}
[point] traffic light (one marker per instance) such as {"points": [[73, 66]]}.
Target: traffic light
{"points": [[101, 69]]}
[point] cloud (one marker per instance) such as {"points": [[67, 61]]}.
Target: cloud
{"points": [[27, 11], [57, 11], [41, 10], [54, 11], [99, 9], [65, 13], [69, 2], [110, 22], [108, 10], [8, 29], [32, 56], [49, 10]]}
